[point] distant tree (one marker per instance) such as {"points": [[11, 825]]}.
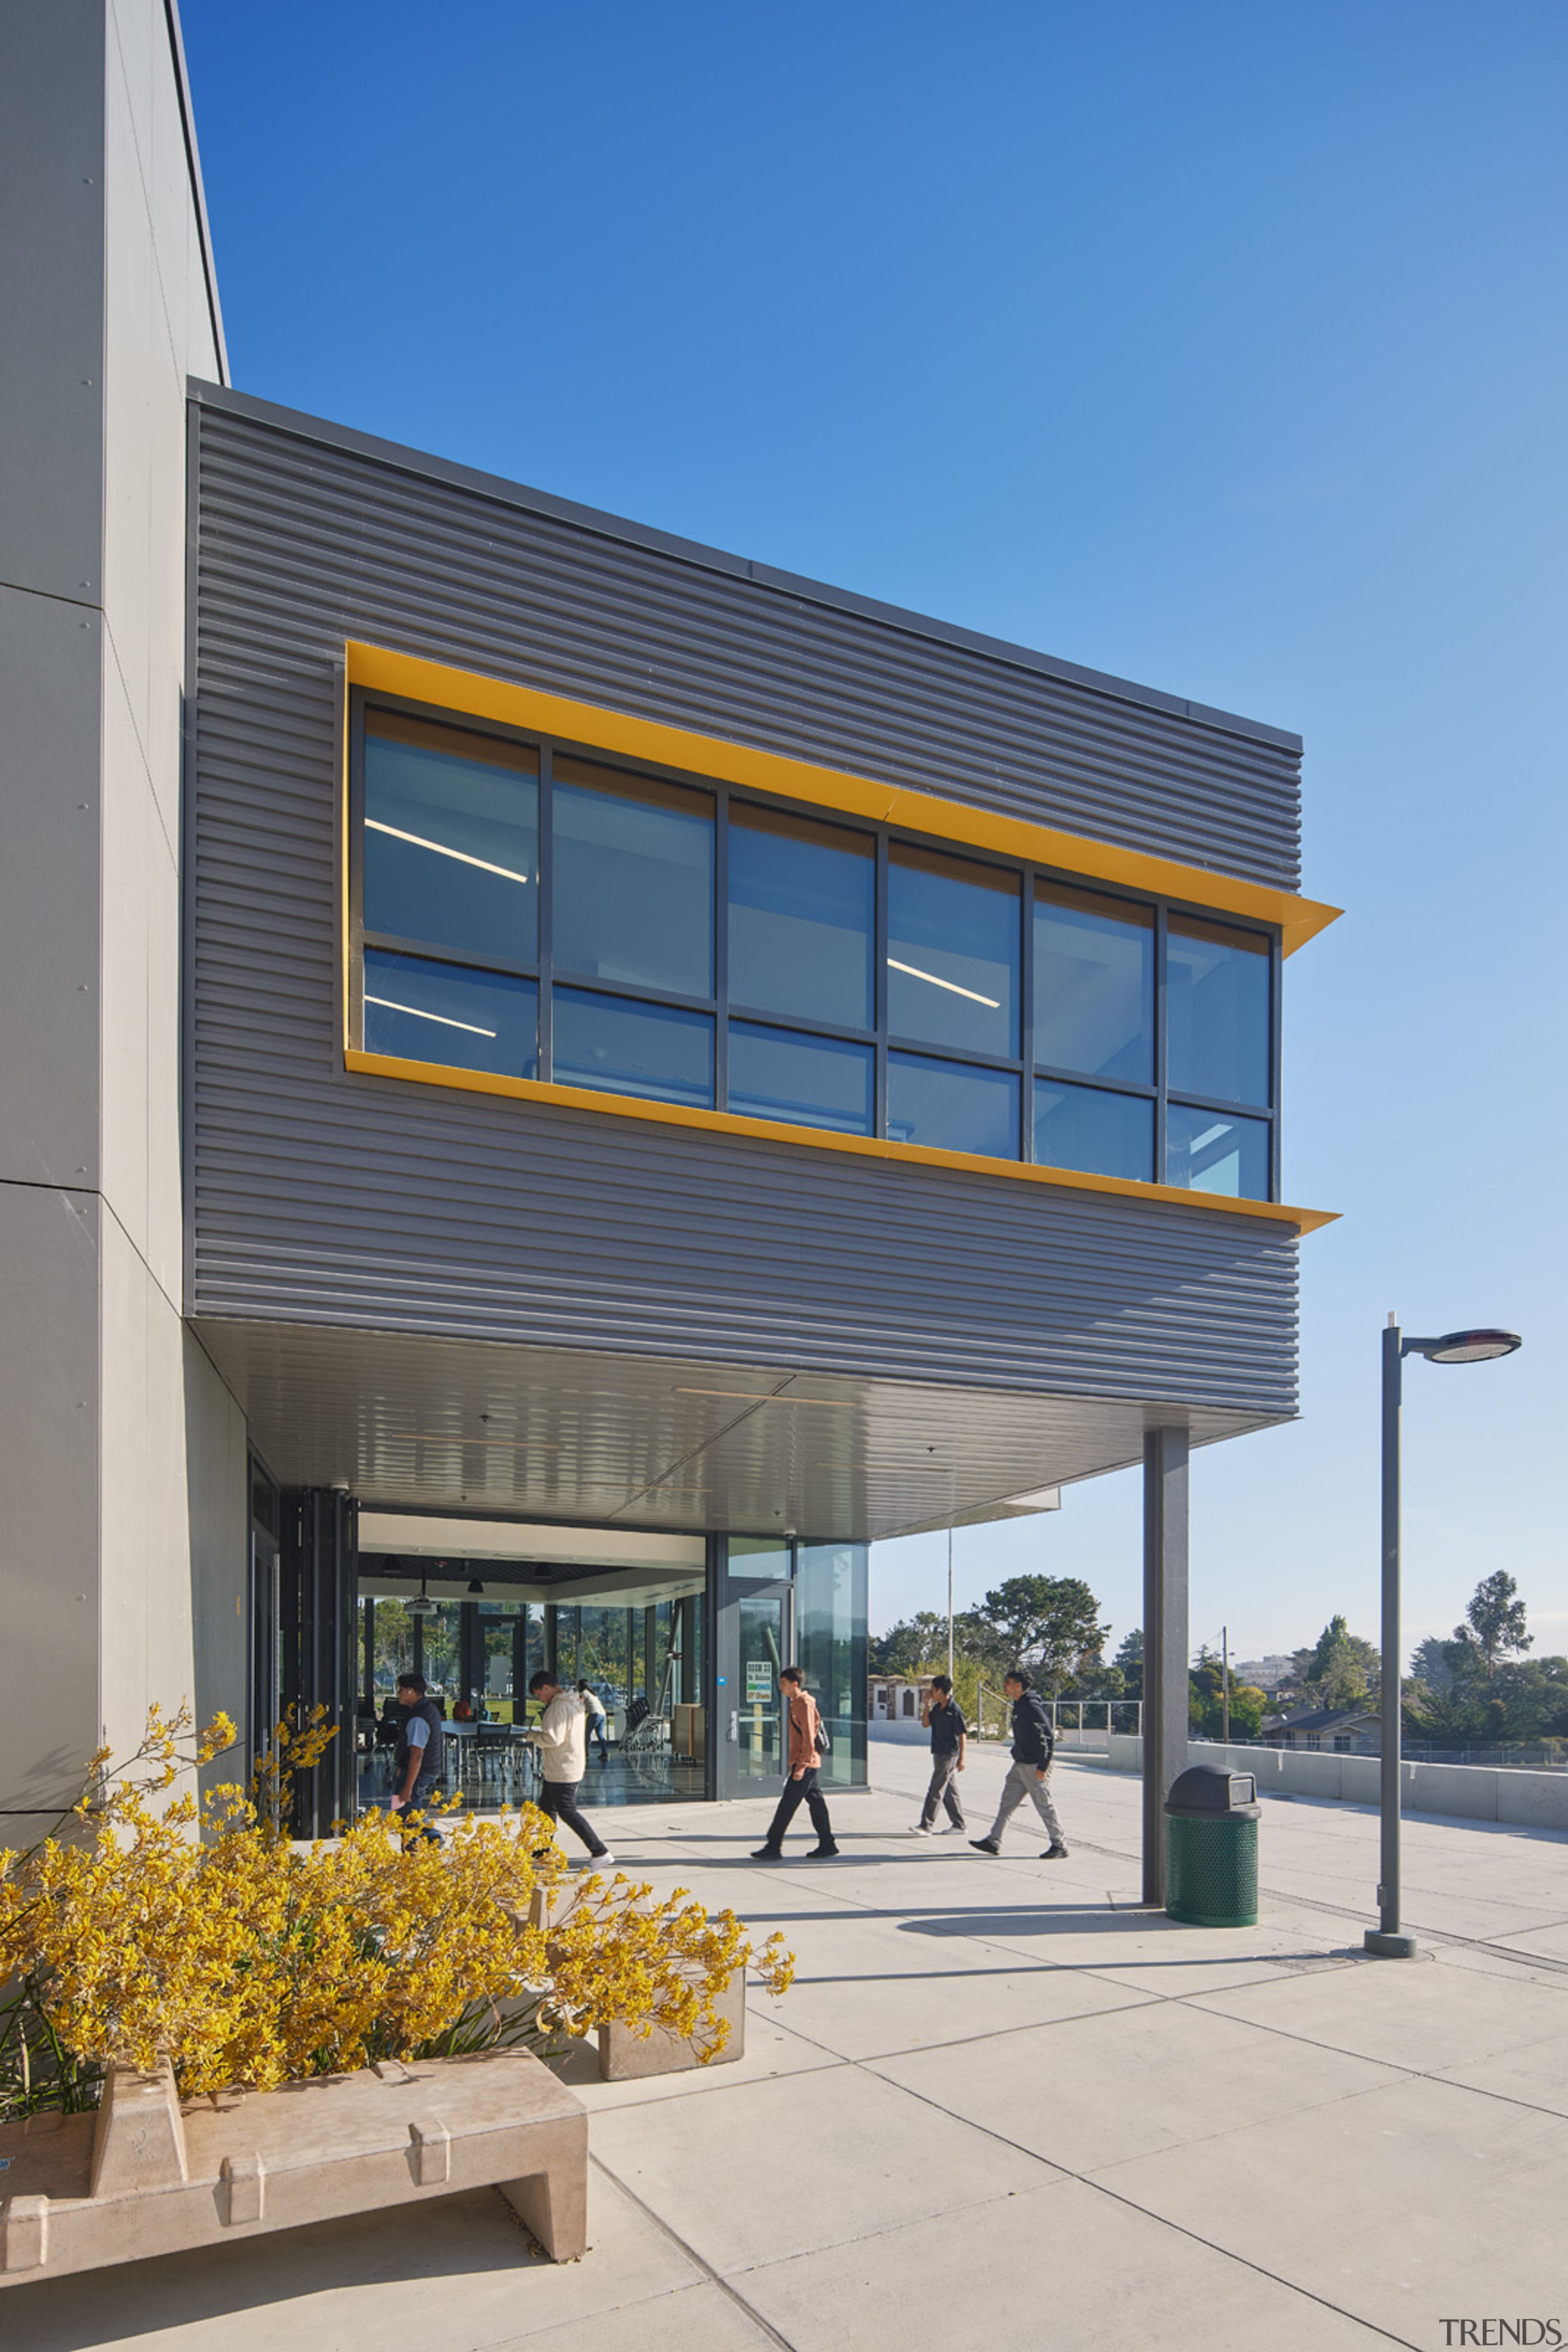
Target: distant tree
{"points": [[394, 1642], [1342, 1670], [1248, 1706], [1205, 1699], [1130, 1661], [914, 1646], [1050, 1623], [1527, 1701], [1495, 1619], [1432, 1665]]}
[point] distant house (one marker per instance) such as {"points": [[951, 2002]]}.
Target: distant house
{"points": [[1343, 1731], [897, 1698]]}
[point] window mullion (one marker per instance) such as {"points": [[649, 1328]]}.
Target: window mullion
{"points": [[1026, 1012], [721, 948], [1276, 1045], [354, 1011], [878, 981], [1162, 1001], [547, 911]]}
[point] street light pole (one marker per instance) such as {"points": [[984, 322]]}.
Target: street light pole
{"points": [[1387, 1940]]}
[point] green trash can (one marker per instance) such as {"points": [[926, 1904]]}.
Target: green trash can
{"points": [[1211, 1848]]}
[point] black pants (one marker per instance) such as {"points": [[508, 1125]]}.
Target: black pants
{"points": [[798, 1792], [558, 1800]]}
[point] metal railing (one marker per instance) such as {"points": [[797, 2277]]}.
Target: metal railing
{"points": [[1084, 1723], [1515, 1755]]}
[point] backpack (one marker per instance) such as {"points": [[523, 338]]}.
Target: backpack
{"points": [[823, 1740]]}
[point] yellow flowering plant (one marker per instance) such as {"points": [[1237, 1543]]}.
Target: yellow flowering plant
{"points": [[202, 1931]]}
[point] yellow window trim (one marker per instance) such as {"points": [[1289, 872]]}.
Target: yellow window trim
{"points": [[465, 692], [866, 1147]]}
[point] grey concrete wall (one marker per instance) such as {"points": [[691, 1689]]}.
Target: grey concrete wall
{"points": [[104, 312], [1465, 1792]]}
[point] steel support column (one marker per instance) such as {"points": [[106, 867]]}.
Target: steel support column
{"points": [[1165, 1639]]}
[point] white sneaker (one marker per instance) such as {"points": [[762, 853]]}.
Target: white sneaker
{"points": [[920, 1830], [600, 1862], [951, 1828]]}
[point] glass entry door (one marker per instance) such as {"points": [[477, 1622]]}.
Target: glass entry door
{"points": [[763, 1620]]}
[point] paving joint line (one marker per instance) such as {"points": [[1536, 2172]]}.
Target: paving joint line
{"points": [[698, 2261], [1227, 2253], [1349, 1920]]}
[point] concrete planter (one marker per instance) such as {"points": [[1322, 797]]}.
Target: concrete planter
{"points": [[627, 2056], [146, 2175], [624, 2054]]}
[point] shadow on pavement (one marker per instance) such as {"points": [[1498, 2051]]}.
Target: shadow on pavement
{"points": [[461, 2237]]}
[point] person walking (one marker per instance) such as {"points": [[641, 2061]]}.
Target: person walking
{"points": [[806, 1744], [560, 1739], [420, 1752], [594, 1721], [944, 1718], [1029, 1776]]}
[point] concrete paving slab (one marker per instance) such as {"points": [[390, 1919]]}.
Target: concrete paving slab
{"points": [[687, 2319], [777, 2168], [864, 1990], [1405, 2013], [1146, 1952], [1062, 2265], [1535, 2073], [462, 2278], [1403, 2206], [1547, 1941], [1092, 2091]]}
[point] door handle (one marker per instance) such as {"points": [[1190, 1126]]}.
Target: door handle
{"points": [[735, 1727]]}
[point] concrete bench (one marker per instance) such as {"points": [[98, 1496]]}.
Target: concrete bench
{"points": [[144, 2175]]}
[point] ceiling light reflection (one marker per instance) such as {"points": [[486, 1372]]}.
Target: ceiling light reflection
{"points": [[374, 824], [472, 1026], [951, 985]]}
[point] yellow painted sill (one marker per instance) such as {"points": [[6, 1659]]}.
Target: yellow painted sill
{"points": [[816, 1138]]}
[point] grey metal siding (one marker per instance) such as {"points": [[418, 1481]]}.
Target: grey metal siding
{"points": [[302, 543], [318, 1196]]}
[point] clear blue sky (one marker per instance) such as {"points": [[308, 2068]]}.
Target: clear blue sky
{"points": [[1219, 346]]}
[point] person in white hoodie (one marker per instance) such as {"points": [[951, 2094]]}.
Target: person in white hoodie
{"points": [[562, 1740]]}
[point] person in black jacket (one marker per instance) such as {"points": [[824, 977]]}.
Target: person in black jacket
{"points": [[1033, 1743]]}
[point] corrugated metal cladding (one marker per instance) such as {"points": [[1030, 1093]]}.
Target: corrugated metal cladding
{"points": [[321, 1197], [305, 542]]}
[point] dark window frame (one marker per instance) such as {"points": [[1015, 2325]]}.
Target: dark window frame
{"points": [[1032, 877]]}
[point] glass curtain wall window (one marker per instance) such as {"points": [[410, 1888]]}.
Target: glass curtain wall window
{"points": [[531, 912], [450, 895]]}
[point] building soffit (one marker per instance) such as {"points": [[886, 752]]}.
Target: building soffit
{"points": [[481, 1429]]}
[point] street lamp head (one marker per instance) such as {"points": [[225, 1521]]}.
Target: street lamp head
{"points": [[1470, 1347]]}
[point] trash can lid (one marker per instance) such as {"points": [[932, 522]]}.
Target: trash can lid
{"points": [[1206, 1790]]}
